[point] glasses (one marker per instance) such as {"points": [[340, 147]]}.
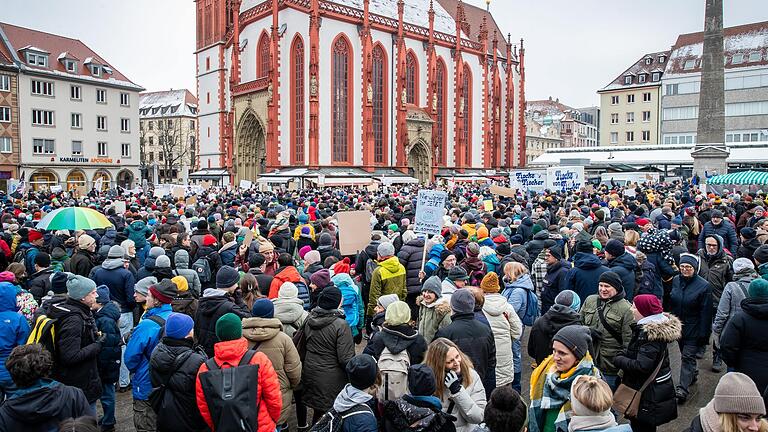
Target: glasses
{"points": [[686, 267], [711, 244]]}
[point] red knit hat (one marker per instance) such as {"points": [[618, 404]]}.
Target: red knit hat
{"points": [[209, 240], [648, 304], [34, 235], [342, 266], [643, 222]]}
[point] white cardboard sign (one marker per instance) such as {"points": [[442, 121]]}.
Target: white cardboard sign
{"points": [[430, 208], [565, 178]]}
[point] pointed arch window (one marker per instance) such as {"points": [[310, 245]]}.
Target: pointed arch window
{"points": [[440, 79], [297, 100], [467, 100], [379, 84], [411, 78], [262, 67], [341, 100]]}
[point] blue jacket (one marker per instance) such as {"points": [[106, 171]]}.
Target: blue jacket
{"points": [[353, 302], [228, 254], [724, 230], [29, 256], [625, 265], [516, 294], [691, 302], [585, 275], [14, 329], [138, 231], [119, 280], [111, 352], [144, 338]]}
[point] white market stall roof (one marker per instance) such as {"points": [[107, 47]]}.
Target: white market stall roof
{"points": [[740, 178]]}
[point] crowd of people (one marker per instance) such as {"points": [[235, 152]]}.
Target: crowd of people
{"points": [[236, 311]]}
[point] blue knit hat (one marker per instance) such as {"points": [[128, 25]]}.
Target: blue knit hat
{"points": [[569, 299], [263, 308], [178, 325], [102, 294]]}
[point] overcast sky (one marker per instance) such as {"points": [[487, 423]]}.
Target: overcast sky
{"points": [[573, 48]]}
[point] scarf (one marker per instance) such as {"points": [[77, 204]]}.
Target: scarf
{"points": [[552, 390], [710, 420], [592, 422]]}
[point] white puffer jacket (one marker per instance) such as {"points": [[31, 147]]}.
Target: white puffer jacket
{"points": [[506, 326], [467, 405]]}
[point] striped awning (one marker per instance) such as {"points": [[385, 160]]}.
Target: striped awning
{"points": [[741, 178]]}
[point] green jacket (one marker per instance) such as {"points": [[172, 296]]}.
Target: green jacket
{"points": [[433, 317], [388, 278], [618, 315]]}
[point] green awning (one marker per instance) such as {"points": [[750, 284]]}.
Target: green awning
{"points": [[741, 178]]}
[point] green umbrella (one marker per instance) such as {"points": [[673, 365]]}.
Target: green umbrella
{"points": [[74, 218]]}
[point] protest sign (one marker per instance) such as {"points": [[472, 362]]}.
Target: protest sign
{"points": [[206, 185], [502, 191], [119, 207], [56, 188], [565, 178], [248, 238], [528, 180], [245, 184], [430, 208], [178, 191], [191, 200], [488, 205], [354, 231]]}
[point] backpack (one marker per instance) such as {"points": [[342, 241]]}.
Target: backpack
{"points": [[349, 306], [303, 293], [157, 395], [156, 319], [203, 269], [21, 255], [44, 333], [232, 394], [370, 266], [332, 421], [394, 374], [531, 308], [645, 279]]}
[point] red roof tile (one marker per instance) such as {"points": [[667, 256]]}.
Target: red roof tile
{"points": [[640, 67]]}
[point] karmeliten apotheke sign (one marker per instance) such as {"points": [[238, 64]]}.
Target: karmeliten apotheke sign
{"points": [[85, 160]]}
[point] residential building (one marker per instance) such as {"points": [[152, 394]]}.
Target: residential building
{"points": [[577, 128], [427, 88], [540, 137], [78, 115], [630, 104], [591, 115], [745, 56], [9, 118], [167, 135]]}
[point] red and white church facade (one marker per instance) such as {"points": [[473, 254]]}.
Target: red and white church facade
{"points": [[425, 88]]}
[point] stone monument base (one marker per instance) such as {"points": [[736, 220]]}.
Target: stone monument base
{"points": [[711, 160]]}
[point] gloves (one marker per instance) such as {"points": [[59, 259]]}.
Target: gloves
{"points": [[358, 338], [101, 338], [453, 382]]}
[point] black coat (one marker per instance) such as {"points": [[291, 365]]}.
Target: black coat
{"points": [[646, 349], [396, 339], [475, 339], [546, 327], [691, 302], [111, 353], [744, 342], [585, 275], [209, 310], [410, 256], [283, 241], [40, 283], [540, 242], [179, 407], [82, 262], [625, 266], [214, 261], [77, 352], [42, 409], [554, 282]]}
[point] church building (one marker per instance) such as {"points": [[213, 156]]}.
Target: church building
{"points": [[319, 89]]}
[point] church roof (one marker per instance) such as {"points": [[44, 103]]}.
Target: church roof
{"points": [[475, 17], [170, 103], [415, 12]]}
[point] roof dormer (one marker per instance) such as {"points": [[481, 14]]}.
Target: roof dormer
{"points": [[35, 56], [648, 60], [662, 58], [627, 79], [69, 61], [96, 67]]}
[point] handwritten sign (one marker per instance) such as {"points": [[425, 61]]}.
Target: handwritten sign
{"points": [[488, 205], [119, 206], [565, 178], [430, 207], [245, 184], [502, 191], [528, 180]]}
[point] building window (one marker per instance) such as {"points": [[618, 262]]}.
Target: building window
{"points": [[262, 69], [655, 76], [125, 99], [341, 98], [614, 100], [77, 148], [208, 97], [42, 118], [151, 140], [614, 137], [71, 66], [208, 63], [630, 98], [37, 59], [662, 59], [689, 64], [76, 121], [191, 124], [170, 123], [379, 73], [74, 92], [630, 117], [411, 78], [42, 88], [646, 136], [5, 114], [101, 96], [6, 145], [755, 56], [646, 116], [746, 108], [43, 146], [648, 61], [440, 77], [646, 97], [630, 136], [467, 101], [101, 123], [683, 113], [615, 118], [737, 59], [125, 150], [5, 83], [297, 100], [101, 149], [125, 125], [641, 78], [628, 79]]}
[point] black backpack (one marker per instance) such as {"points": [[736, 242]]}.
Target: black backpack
{"points": [[232, 394], [332, 421]]}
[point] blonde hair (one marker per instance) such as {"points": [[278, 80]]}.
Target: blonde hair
{"points": [[631, 237], [593, 393], [513, 270], [435, 359], [729, 423]]}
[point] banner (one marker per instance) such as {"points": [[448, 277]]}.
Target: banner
{"points": [[528, 180], [354, 231], [430, 208], [565, 178], [502, 191]]}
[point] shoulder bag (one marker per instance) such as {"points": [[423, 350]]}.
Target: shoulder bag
{"points": [[626, 400]]}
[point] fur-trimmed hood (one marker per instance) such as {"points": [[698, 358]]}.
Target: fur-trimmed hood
{"points": [[441, 305], [665, 331]]}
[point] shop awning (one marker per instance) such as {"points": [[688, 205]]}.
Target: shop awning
{"points": [[740, 178]]}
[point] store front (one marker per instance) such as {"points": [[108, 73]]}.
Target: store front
{"points": [[43, 180], [75, 178]]}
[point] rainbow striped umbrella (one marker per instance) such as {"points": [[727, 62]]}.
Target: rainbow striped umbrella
{"points": [[73, 218]]}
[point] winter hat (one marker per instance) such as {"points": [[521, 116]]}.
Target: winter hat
{"points": [[691, 260], [761, 254], [569, 299], [397, 313], [758, 288], [142, 286], [303, 218], [612, 279], [288, 290], [58, 282], [33, 235], [556, 252], [748, 233], [181, 283], [209, 240], [536, 229], [742, 264], [362, 371], [7, 276], [736, 393], [597, 245], [392, 227], [433, 284], [341, 266], [311, 257], [503, 249], [385, 250], [83, 242], [516, 239], [266, 246], [615, 231], [305, 232], [102, 294], [457, 273], [263, 308], [116, 251], [473, 250], [304, 251], [163, 262], [576, 338], [178, 325], [227, 277], [717, 214], [647, 304], [584, 246], [614, 247], [156, 251], [490, 283], [330, 298], [421, 380], [462, 301], [229, 327], [386, 300], [79, 286], [164, 291], [506, 410], [321, 278]]}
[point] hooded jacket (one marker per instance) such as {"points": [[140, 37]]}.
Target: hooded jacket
{"points": [[213, 305], [555, 281], [585, 275], [120, 281], [744, 339], [352, 302], [691, 302], [181, 259], [725, 230], [625, 266], [420, 413], [42, 407], [546, 327], [144, 339], [59, 259], [138, 231], [618, 315], [398, 339], [325, 247], [291, 313], [111, 352], [433, 317], [540, 242], [410, 257], [39, 283], [506, 327], [228, 252], [388, 278], [265, 335], [362, 421], [717, 269], [283, 275], [13, 331]]}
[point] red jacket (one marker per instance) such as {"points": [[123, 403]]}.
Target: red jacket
{"points": [[287, 274], [270, 400]]}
